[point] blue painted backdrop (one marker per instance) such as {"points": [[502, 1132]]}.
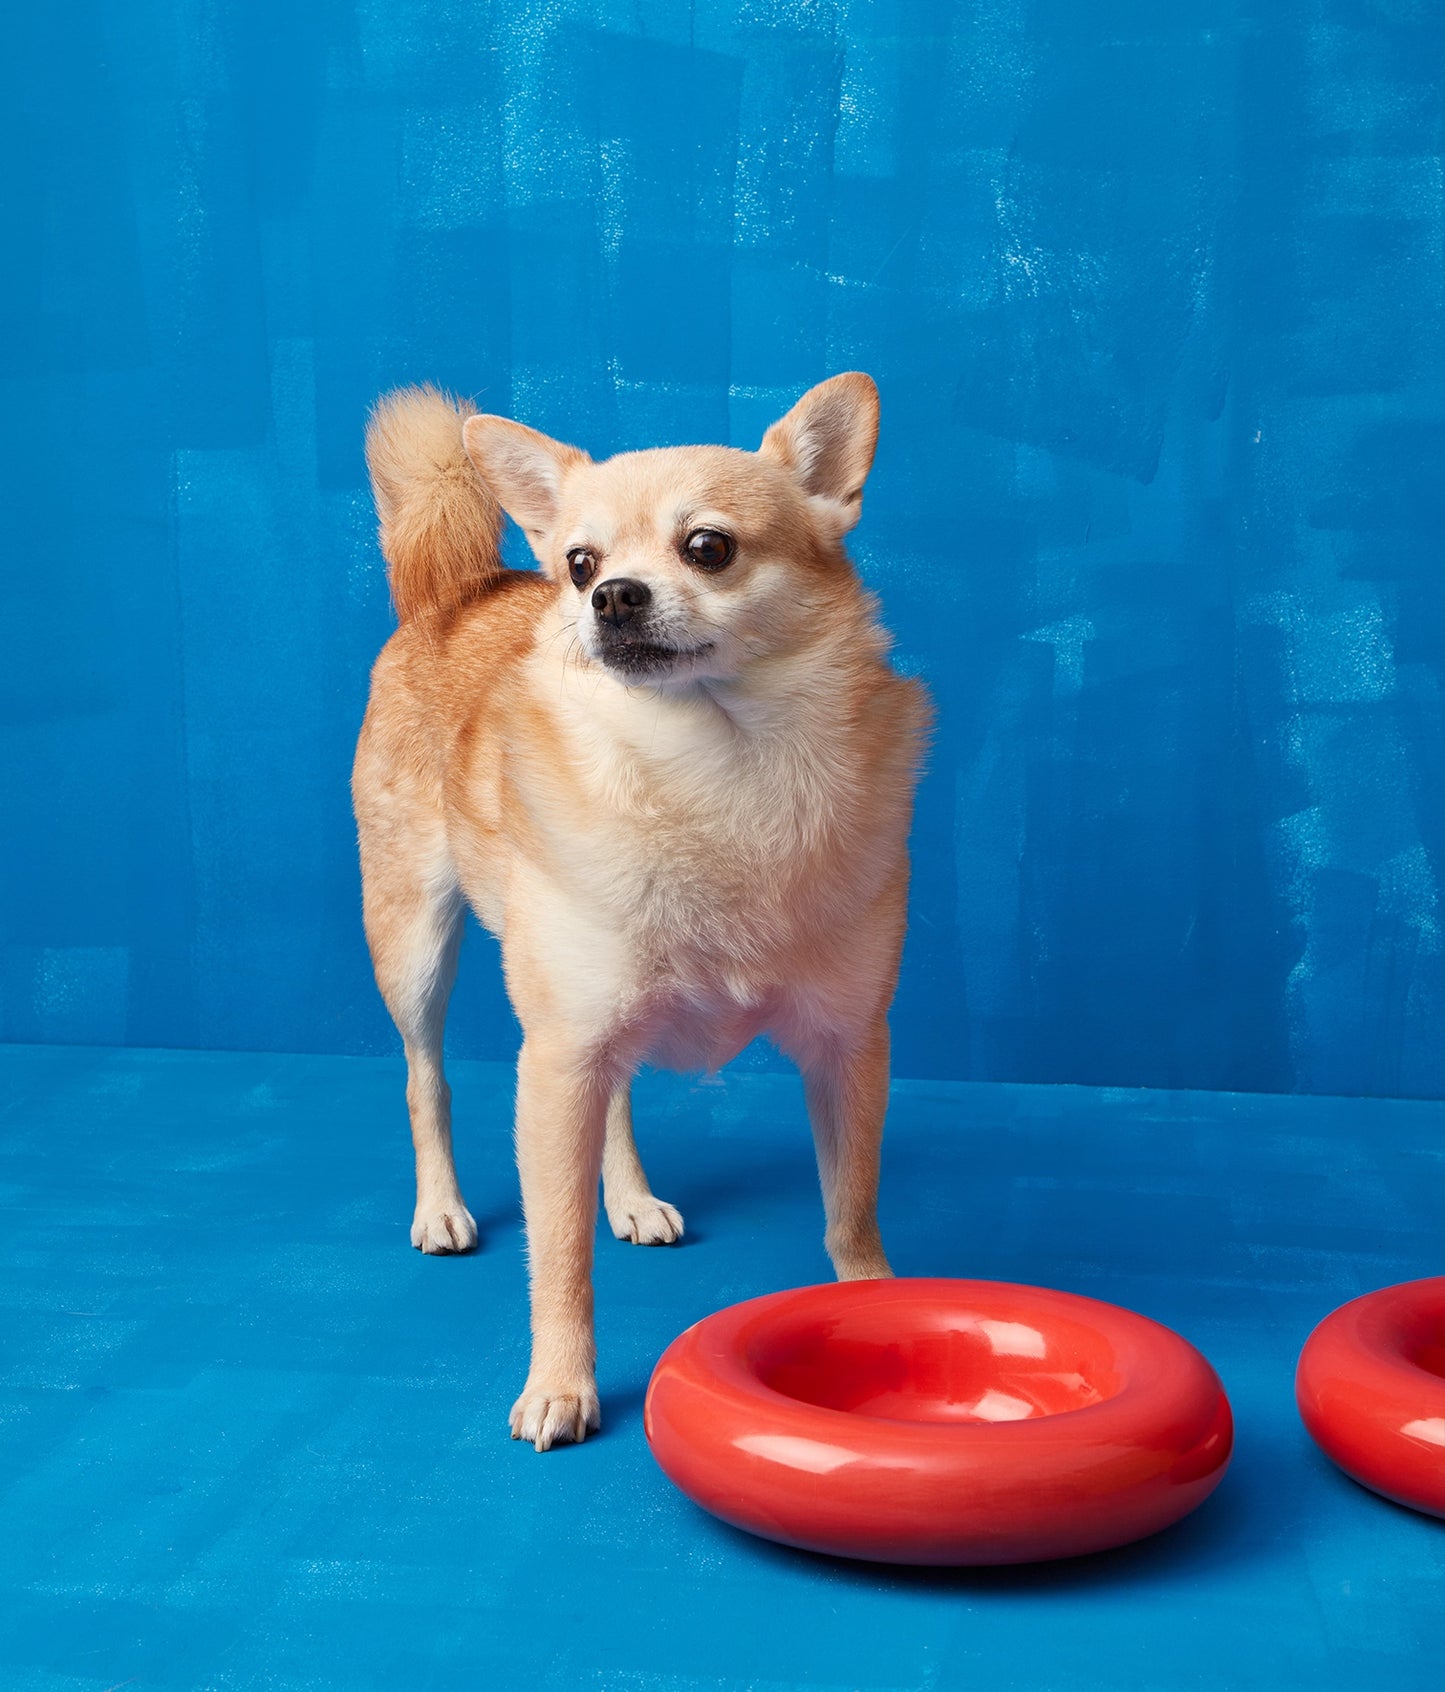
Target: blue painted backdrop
{"points": [[1153, 293]]}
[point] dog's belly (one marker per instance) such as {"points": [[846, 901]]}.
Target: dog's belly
{"points": [[702, 1028]]}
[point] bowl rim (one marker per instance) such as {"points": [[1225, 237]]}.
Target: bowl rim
{"points": [[1364, 1338], [1159, 1371]]}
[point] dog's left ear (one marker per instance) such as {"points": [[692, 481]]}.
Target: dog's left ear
{"points": [[827, 441], [524, 469]]}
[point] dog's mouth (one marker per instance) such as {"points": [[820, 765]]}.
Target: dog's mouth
{"points": [[646, 657]]}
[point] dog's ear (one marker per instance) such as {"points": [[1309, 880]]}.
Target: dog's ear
{"points": [[827, 440], [523, 468]]}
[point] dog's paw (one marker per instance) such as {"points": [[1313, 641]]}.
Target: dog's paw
{"points": [[441, 1230], [646, 1221], [564, 1416]]}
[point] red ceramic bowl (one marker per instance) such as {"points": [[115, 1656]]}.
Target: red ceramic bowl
{"points": [[1371, 1390], [932, 1421]]}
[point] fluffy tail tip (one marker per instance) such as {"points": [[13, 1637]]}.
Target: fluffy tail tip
{"points": [[440, 525]]}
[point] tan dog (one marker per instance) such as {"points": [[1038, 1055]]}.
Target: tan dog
{"points": [[672, 772]]}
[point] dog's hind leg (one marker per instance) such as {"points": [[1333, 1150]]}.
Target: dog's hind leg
{"points": [[632, 1210], [413, 911], [847, 1088]]}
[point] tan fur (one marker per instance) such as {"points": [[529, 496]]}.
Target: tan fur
{"points": [[674, 861], [440, 524]]}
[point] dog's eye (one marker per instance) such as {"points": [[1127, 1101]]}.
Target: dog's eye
{"points": [[709, 549], [581, 562]]}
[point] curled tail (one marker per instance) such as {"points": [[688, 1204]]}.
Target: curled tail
{"points": [[440, 527]]}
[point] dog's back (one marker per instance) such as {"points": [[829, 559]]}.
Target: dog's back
{"points": [[464, 619]]}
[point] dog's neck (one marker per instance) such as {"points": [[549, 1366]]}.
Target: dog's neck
{"points": [[765, 765], [805, 694], [745, 795]]}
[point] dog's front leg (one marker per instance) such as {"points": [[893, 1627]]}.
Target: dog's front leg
{"points": [[847, 1088], [561, 1118]]}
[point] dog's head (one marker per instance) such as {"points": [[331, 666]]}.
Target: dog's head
{"points": [[688, 563]]}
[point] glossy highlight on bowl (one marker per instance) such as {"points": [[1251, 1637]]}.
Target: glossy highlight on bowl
{"points": [[1371, 1390], [939, 1421]]}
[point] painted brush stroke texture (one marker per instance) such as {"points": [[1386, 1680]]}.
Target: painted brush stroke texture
{"points": [[1154, 298]]}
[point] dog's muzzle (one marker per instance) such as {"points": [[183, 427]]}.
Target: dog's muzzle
{"points": [[627, 637]]}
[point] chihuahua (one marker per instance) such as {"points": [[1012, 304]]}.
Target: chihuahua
{"points": [[672, 771]]}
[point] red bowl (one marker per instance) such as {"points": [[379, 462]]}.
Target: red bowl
{"points": [[1371, 1390], [933, 1421]]}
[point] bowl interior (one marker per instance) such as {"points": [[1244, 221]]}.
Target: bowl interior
{"points": [[939, 1365], [1423, 1343]]}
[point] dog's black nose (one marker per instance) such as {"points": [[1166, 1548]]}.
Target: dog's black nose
{"points": [[619, 600]]}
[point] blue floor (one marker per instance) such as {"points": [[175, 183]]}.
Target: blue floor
{"points": [[250, 1439]]}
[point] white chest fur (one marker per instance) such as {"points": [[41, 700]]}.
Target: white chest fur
{"points": [[722, 844]]}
